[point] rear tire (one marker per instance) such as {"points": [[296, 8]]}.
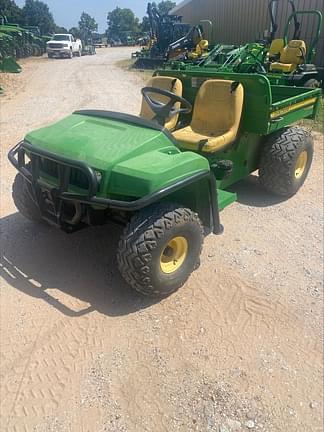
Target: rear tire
{"points": [[24, 199], [286, 159], [160, 248]]}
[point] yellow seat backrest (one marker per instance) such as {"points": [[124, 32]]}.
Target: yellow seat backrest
{"points": [[202, 46], [294, 52], [201, 49], [218, 108], [277, 45], [165, 83]]}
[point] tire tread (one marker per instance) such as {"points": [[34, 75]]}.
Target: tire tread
{"points": [[140, 238], [278, 158]]}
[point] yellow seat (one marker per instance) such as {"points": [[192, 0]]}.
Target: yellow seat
{"points": [[201, 49], [291, 56], [216, 117], [165, 83], [276, 47]]}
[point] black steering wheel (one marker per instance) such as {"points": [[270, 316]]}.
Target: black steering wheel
{"points": [[164, 111]]}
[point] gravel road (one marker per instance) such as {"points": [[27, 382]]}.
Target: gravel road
{"points": [[238, 348]]}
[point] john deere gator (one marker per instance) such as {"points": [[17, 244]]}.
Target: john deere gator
{"points": [[164, 174]]}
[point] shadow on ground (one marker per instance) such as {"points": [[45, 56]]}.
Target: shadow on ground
{"points": [[249, 192], [36, 259]]}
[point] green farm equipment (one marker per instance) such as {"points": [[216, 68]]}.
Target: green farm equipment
{"points": [[9, 64], [248, 58], [128, 38], [164, 175], [17, 42], [284, 61], [22, 45], [7, 61], [36, 40]]}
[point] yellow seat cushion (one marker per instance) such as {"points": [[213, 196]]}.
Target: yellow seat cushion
{"points": [[165, 83], [291, 56], [192, 140], [283, 67], [216, 117]]}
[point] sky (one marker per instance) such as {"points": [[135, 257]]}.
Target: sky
{"points": [[67, 12]]}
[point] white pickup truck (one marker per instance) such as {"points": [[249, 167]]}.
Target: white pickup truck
{"points": [[64, 45]]}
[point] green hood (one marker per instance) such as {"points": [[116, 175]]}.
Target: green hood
{"points": [[133, 159], [98, 141]]}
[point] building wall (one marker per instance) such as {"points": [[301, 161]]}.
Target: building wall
{"points": [[241, 21]]}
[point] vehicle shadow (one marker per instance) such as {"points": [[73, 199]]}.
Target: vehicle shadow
{"points": [[37, 259], [250, 193]]}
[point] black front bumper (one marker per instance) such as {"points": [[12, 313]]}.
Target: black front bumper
{"points": [[60, 193]]}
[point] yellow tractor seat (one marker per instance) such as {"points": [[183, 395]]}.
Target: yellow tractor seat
{"points": [[216, 117], [201, 49], [276, 47], [165, 83], [291, 56]]}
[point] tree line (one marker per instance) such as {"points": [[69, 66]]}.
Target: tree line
{"points": [[119, 21], [123, 20]]}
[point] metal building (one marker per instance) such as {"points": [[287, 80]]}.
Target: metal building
{"points": [[241, 21]]}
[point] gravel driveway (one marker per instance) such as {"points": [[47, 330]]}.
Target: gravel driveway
{"points": [[237, 349]]}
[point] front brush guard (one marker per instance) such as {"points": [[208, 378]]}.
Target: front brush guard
{"points": [[17, 156]]}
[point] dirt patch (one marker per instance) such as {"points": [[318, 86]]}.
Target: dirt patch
{"points": [[239, 348]]}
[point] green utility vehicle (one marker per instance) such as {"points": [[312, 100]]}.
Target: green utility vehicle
{"points": [[163, 175]]}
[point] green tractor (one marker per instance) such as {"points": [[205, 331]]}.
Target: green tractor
{"points": [[21, 40], [36, 41], [7, 60], [164, 175]]}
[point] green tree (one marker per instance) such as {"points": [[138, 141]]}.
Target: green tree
{"points": [[59, 29], [87, 25], [120, 21], [10, 11], [37, 13], [145, 25], [76, 32], [164, 7]]}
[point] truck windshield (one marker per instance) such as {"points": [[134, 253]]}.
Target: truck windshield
{"points": [[61, 38]]}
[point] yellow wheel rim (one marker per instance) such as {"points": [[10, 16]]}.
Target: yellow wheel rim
{"points": [[301, 164], [174, 255]]}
